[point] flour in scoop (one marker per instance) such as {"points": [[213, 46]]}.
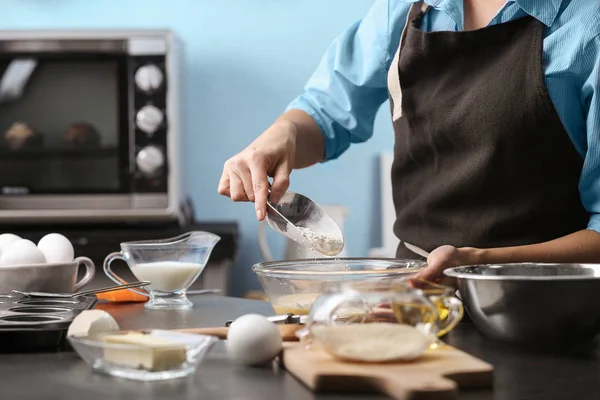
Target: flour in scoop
{"points": [[327, 243]]}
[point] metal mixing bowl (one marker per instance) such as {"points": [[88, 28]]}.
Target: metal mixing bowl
{"points": [[292, 286], [533, 304]]}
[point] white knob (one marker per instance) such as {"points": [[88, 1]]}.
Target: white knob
{"points": [[148, 78], [150, 159], [149, 119]]}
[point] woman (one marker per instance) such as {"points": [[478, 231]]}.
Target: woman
{"points": [[496, 113]]}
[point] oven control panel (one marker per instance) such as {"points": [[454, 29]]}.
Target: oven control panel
{"points": [[151, 124]]}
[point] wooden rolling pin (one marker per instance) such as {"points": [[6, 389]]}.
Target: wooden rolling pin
{"points": [[288, 331]]}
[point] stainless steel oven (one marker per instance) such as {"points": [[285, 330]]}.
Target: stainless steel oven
{"points": [[89, 126]]}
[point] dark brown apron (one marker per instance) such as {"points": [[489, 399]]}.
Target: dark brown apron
{"points": [[481, 157]]}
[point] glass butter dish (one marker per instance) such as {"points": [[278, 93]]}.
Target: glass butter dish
{"points": [[144, 356]]}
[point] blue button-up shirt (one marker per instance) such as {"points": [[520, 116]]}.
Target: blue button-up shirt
{"points": [[350, 83]]}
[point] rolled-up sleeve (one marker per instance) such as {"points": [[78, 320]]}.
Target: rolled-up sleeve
{"points": [[589, 185], [350, 83]]}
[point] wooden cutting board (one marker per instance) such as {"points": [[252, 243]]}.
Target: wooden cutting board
{"points": [[438, 374]]}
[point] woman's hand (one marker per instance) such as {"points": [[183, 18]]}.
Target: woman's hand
{"points": [[445, 257], [271, 154], [293, 141], [579, 247]]}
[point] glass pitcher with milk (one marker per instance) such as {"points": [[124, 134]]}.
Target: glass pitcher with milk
{"points": [[170, 265], [294, 250]]}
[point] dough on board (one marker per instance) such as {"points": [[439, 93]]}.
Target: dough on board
{"points": [[374, 342]]}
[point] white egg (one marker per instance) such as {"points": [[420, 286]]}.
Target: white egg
{"points": [[253, 340], [56, 248], [91, 323], [6, 239], [22, 252]]}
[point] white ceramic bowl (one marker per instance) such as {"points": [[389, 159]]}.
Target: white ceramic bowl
{"points": [[52, 277]]}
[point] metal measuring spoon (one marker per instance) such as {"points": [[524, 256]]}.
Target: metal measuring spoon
{"points": [[300, 219], [84, 293]]}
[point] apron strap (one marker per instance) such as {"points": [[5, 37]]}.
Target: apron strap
{"points": [[417, 8]]}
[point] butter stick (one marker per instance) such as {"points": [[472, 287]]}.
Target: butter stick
{"points": [[153, 353]]}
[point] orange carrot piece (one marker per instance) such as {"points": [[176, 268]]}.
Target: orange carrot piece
{"points": [[123, 295]]}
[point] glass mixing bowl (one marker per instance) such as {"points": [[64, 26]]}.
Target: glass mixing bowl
{"points": [[293, 285]]}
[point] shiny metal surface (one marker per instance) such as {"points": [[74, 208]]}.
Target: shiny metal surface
{"points": [[295, 211], [148, 78], [65, 208], [63, 46], [149, 118], [532, 304], [150, 160], [12, 204], [84, 293], [117, 41]]}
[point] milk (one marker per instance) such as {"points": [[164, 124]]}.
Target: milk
{"points": [[167, 276]]}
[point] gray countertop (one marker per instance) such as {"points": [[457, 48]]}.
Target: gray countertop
{"points": [[519, 374], [64, 376]]}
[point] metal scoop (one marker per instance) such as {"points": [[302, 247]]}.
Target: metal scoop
{"points": [[300, 219]]}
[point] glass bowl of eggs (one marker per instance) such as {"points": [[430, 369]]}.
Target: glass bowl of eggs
{"points": [[292, 286]]}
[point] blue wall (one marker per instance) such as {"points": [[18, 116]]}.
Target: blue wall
{"points": [[246, 59]]}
